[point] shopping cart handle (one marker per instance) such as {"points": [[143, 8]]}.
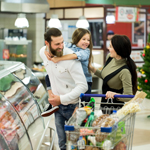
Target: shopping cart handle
{"points": [[106, 129], [103, 95], [68, 128]]}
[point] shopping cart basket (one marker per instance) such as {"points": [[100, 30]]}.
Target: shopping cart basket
{"points": [[115, 137]]}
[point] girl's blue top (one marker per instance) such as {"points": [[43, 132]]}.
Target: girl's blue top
{"points": [[83, 57]]}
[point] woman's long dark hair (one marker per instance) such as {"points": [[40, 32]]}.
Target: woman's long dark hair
{"points": [[122, 46]]}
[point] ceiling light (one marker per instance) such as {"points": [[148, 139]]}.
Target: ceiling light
{"points": [[110, 19], [21, 21], [54, 22], [82, 23]]}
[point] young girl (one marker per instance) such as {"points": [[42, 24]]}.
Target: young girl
{"points": [[82, 47]]}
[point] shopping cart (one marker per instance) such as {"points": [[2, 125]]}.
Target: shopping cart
{"points": [[119, 136]]}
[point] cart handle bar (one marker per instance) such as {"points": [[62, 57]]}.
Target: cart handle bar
{"points": [[103, 95]]}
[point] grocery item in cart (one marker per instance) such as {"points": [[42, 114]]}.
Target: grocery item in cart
{"points": [[108, 131], [90, 120], [133, 105], [81, 143], [100, 136], [99, 120]]}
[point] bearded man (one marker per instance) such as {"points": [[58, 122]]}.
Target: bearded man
{"points": [[67, 81]]}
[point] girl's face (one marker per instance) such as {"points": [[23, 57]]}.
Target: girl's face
{"points": [[84, 41], [112, 51]]}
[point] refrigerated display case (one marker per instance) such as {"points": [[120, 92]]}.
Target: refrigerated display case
{"points": [[22, 99], [18, 51], [28, 78], [12, 131]]}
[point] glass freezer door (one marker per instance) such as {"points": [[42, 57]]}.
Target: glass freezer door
{"points": [[13, 135], [17, 94], [34, 85]]}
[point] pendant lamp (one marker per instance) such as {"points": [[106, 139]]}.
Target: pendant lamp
{"points": [[54, 22], [21, 21], [82, 23], [110, 19]]}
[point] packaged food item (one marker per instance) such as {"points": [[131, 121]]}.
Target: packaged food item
{"points": [[98, 113], [73, 136], [88, 148], [119, 132], [99, 120], [121, 145], [115, 116], [74, 147], [101, 136], [90, 120], [108, 122], [85, 131], [92, 140], [81, 143], [84, 122], [81, 114], [130, 108], [95, 148], [107, 145]]}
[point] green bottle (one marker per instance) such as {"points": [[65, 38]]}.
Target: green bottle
{"points": [[91, 104], [90, 120]]}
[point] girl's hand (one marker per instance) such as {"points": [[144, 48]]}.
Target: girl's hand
{"points": [[55, 59], [48, 55], [110, 94]]}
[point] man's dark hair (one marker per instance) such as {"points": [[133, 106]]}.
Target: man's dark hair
{"points": [[51, 32]]}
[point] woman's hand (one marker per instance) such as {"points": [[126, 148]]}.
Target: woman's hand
{"points": [[110, 94], [93, 69]]}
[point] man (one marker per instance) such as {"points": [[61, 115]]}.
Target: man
{"points": [[67, 81]]}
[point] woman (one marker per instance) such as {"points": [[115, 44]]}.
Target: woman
{"points": [[119, 72]]}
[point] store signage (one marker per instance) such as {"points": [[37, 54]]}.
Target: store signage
{"points": [[6, 54], [127, 14]]}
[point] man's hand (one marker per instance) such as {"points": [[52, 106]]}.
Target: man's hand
{"points": [[54, 100]]}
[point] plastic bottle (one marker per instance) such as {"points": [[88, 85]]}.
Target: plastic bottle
{"points": [[91, 104], [81, 143], [92, 140], [84, 122], [90, 120], [114, 115]]}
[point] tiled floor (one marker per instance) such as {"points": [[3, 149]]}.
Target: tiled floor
{"points": [[141, 138]]}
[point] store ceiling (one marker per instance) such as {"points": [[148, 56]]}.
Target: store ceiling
{"points": [[24, 6]]}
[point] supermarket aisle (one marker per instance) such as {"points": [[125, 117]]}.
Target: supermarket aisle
{"points": [[141, 139]]}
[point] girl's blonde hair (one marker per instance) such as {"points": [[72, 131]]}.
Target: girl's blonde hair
{"points": [[76, 37]]}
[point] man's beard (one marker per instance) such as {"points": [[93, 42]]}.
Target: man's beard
{"points": [[56, 52]]}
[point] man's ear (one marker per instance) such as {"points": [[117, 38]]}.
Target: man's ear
{"points": [[46, 43]]}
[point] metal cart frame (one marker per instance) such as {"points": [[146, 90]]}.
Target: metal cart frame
{"points": [[111, 133]]}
